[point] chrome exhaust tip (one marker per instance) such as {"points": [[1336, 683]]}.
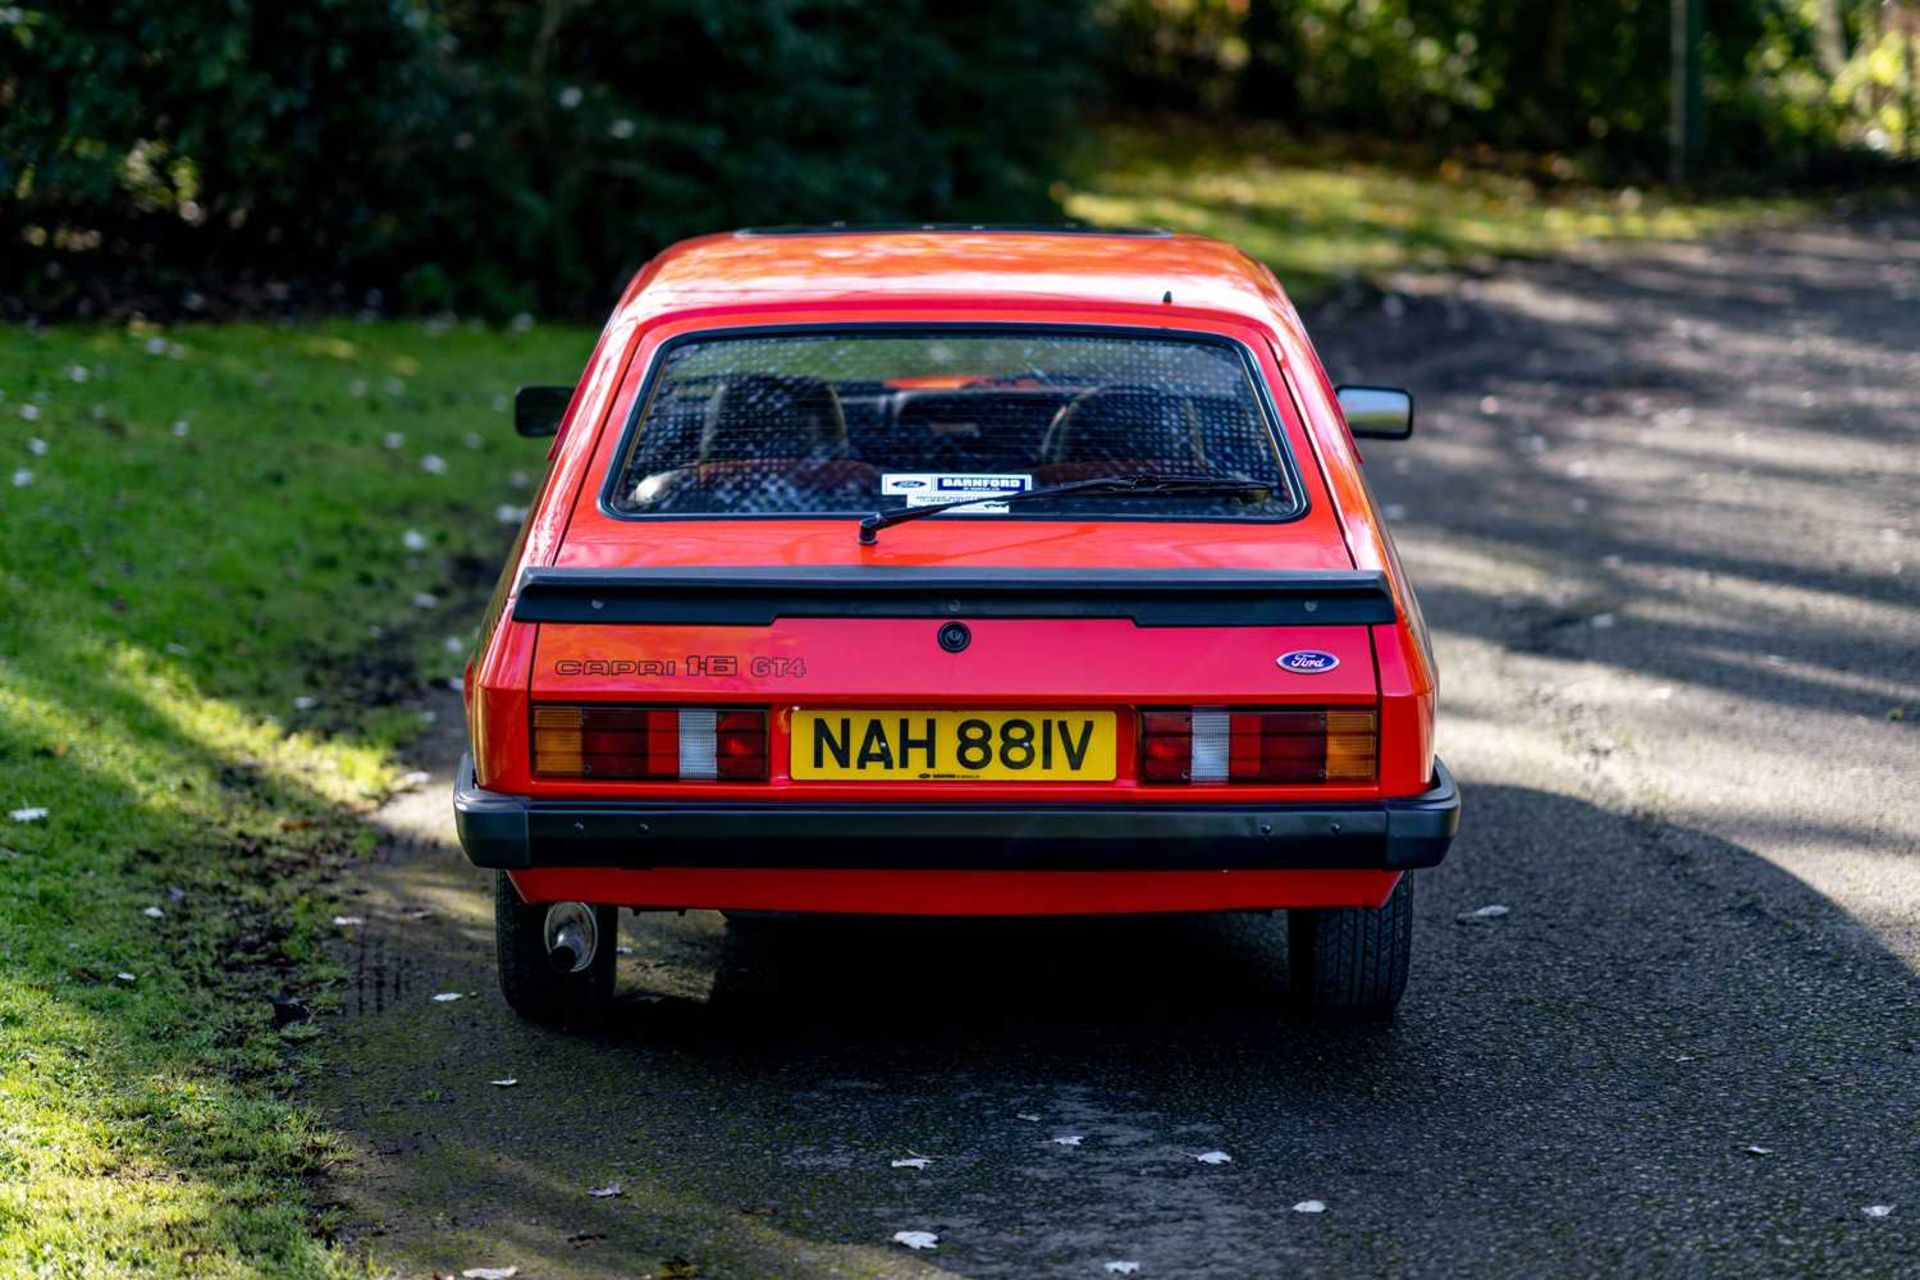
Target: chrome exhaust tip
{"points": [[573, 936]]}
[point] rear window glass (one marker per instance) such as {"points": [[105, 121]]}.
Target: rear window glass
{"points": [[851, 422]]}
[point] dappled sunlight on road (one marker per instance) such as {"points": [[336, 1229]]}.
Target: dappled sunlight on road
{"points": [[1682, 920]]}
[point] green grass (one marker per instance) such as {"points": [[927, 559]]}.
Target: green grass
{"points": [[204, 528], [1331, 211]]}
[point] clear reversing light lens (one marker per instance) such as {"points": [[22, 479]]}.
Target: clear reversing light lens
{"points": [[649, 743]]}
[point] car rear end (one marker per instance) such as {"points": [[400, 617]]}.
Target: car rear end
{"points": [[710, 694]]}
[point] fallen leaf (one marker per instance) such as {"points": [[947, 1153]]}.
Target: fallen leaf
{"points": [[33, 814], [348, 922], [490, 1273], [126, 977], [1027, 1115], [916, 1239], [418, 778], [1214, 1157], [1311, 1206], [1483, 915], [1758, 1151], [414, 540], [679, 1269], [1877, 1210], [1070, 1140], [1123, 1268], [505, 1083], [447, 997], [759, 1210], [912, 1162], [607, 1192], [153, 913]]}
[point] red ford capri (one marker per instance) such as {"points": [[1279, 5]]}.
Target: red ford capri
{"points": [[954, 571]]}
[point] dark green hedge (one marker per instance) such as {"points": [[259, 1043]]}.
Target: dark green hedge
{"points": [[499, 155]]}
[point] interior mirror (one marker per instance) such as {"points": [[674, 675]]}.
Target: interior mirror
{"points": [[1377, 413], [537, 410]]}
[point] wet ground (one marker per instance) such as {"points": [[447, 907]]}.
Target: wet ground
{"points": [[1661, 513]]}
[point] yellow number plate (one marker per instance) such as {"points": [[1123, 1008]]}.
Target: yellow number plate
{"points": [[934, 746]]}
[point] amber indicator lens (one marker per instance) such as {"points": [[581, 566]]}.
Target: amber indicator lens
{"points": [[649, 743], [1222, 744]]}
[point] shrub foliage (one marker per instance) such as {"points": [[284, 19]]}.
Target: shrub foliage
{"points": [[504, 155]]}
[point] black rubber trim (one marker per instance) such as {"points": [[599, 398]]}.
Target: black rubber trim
{"points": [[514, 832], [753, 596]]}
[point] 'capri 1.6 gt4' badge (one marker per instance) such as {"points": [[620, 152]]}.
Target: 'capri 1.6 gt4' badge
{"points": [[1307, 662]]}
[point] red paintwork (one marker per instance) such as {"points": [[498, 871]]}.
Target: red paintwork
{"points": [[960, 893], [732, 281]]}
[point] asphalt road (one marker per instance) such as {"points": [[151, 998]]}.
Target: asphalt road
{"points": [[1661, 514]]}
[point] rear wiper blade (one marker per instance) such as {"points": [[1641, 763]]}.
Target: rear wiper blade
{"points": [[1138, 484]]}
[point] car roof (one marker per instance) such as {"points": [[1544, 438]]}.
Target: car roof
{"points": [[942, 265]]}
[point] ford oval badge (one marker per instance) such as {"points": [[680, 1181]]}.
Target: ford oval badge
{"points": [[1306, 662]]}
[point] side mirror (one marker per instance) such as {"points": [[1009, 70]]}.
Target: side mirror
{"points": [[537, 410], [1377, 413]]}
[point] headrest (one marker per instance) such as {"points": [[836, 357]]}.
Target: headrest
{"points": [[773, 415], [1124, 423]]}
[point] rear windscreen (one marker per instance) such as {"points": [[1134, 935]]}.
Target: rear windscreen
{"points": [[821, 423]]}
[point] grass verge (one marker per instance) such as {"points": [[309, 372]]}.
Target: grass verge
{"points": [[221, 585], [1330, 211]]}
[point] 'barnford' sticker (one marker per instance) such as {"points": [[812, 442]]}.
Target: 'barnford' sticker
{"points": [[1307, 662], [936, 489]]}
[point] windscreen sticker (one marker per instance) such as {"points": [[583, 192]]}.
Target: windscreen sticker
{"points": [[934, 488]]}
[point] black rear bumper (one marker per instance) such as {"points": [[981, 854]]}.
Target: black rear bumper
{"points": [[514, 832]]}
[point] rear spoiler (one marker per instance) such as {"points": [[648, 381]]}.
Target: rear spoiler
{"points": [[755, 597]]}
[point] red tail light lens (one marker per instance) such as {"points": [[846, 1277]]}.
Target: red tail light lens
{"points": [[649, 743], [740, 746], [1216, 744], [1166, 746]]}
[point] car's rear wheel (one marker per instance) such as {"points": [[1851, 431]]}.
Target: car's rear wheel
{"points": [[1352, 962], [556, 958]]}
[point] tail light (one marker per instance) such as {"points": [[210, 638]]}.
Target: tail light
{"points": [[649, 743], [1219, 744]]}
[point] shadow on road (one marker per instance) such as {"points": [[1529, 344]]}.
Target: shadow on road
{"points": [[1568, 1084]]}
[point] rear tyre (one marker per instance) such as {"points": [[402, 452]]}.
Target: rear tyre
{"points": [[564, 989], [1351, 962]]}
